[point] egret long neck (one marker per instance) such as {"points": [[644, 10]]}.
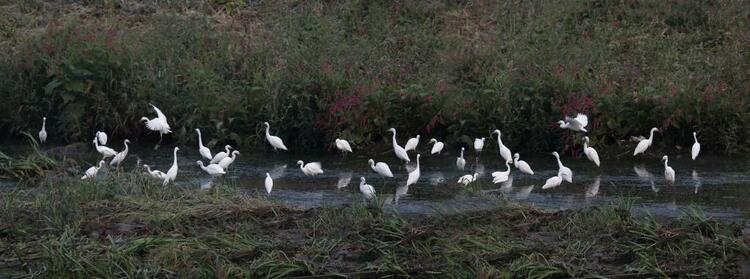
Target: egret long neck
{"points": [[394, 139], [200, 141], [559, 163], [126, 146], [462, 153], [651, 135], [665, 162], [44, 123], [174, 162], [267, 133], [695, 138]]}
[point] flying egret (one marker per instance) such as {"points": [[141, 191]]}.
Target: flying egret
{"points": [[668, 171], [437, 146], [221, 155], [212, 169], [105, 151], [478, 144], [228, 160], [563, 171], [343, 145], [696, 147], [310, 169], [645, 143], [522, 165], [172, 172], [158, 124], [154, 173], [92, 171], [460, 161], [381, 168], [202, 149], [504, 151], [576, 124], [102, 137], [552, 182], [43, 131], [501, 176], [412, 143], [590, 151], [275, 141], [414, 175], [400, 151], [368, 192], [466, 179], [117, 160], [269, 183]]}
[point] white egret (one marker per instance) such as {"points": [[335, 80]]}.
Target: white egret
{"points": [[501, 176], [460, 161], [590, 151], [117, 160], [212, 169], [645, 143], [400, 151], [696, 147], [381, 168], [154, 173], [172, 172], [522, 165], [202, 149], [504, 150], [412, 143], [221, 155], [437, 146], [576, 124], [668, 171], [366, 189], [92, 171], [343, 145], [158, 124], [310, 169], [478, 144], [269, 183], [414, 175], [102, 137], [228, 160], [105, 151], [552, 182], [466, 179], [563, 171], [275, 141], [43, 131]]}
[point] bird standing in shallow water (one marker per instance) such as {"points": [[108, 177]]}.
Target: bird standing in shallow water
{"points": [[380, 168], [228, 160], [368, 192], [43, 131], [504, 150], [119, 157], [522, 165], [275, 141], [696, 147], [212, 169], [645, 143], [105, 151], [400, 151], [343, 146], [92, 171], [414, 175], [460, 161], [268, 183], [437, 146], [501, 176], [221, 155], [478, 145], [202, 149], [552, 182], [310, 169], [590, 151], [564, 172], [172, 172], [412, 143], [668, 171], [467, 179]]}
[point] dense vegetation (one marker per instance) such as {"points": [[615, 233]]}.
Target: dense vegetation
{"points": [[321, 69]]}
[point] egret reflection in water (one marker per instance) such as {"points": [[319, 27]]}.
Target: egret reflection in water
{"points": [[593, 188]]}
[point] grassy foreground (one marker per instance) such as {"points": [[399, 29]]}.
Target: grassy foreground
{"points": [[128, 226]]}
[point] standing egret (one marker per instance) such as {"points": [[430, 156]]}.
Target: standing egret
{"points": [[563, 171], [668, 171], [92, 171], [154, 173], [501, 176], [310, 169], [576, 124], [275, 141], [202, 149], [228, 160], [460, 161], [102, 137], [269, 183], [522, 165], [105, 151], [466, 179], [117, 160], [478, 144], [414, 175], [172, 172], [381, 168], [645, 143], [368, 192], [400, 151], [412, 143], [343, 145], [437, 146], [212, 169], [552, 182], [158, 124], [43, 131], [221, 155], [696, 147], [590, 151], [504, 151]]}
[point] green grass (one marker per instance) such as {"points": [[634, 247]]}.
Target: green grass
{"points": [[129, 226]]}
